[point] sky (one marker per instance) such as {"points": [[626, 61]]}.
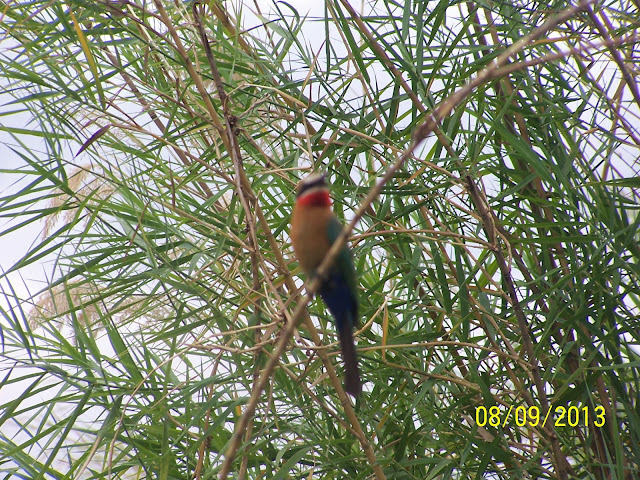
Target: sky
{"points": [[14, 245]]}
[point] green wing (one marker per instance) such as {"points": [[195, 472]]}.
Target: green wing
{"points": [[344, 261]]}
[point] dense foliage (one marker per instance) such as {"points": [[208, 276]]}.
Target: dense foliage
{"points": [[498, 266]]}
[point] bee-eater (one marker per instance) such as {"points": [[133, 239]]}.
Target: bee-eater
{"points": [[314, 228]]}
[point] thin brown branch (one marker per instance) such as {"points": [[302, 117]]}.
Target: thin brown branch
{"points": [[615, 53], [244, 189]]}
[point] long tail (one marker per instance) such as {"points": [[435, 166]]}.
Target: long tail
{"points": [[352, 382]]}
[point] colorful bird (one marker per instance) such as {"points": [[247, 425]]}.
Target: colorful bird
{"points": [[314, 228]]}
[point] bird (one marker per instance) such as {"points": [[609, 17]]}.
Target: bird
{"points": [[314, 228]]}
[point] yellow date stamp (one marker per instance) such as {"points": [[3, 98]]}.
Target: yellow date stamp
{"points": [[570, 416]]}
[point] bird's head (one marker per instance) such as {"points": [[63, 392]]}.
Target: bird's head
{"points": [[313, 191]]}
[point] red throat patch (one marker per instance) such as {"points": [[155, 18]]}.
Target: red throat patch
{"points": [[315, 199]]}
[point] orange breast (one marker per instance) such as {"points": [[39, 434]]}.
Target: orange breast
{"points": [[309, 235]]}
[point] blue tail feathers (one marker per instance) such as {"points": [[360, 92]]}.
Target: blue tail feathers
{"points": [[343, 305]]}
